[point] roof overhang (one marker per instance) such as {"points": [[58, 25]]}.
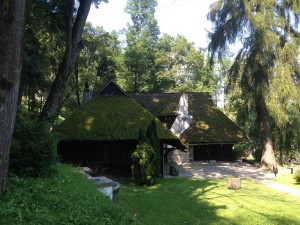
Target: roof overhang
{"points": [[177, 144], [216, 143]]}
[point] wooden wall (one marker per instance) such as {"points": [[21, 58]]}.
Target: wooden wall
{"points": [[112, 158], [219, 152]]}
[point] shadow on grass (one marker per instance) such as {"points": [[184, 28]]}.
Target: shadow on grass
{"points": [[171, 201], [197, 201]]}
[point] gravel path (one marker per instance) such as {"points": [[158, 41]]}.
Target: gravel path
{"points": [[240, 169]]}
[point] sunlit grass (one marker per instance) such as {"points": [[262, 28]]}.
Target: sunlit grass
{"points": [[288, 179], [194, 201]]}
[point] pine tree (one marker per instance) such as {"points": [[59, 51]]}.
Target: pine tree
{"points": [[267, 63]]}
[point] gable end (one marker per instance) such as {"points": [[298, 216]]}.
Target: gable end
{"points": [[111, 89]]}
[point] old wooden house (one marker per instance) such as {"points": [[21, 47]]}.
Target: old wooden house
{"points": [[105, 130], [103, 133]]}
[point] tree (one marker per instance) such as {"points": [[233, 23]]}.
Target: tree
{"points": [[146, 157], [266, 65], [33, 150], [99, 61], [43, 49], [74, 45], [97, 64], [12, 14], [287, 137], [141, 39], [182, 67]]}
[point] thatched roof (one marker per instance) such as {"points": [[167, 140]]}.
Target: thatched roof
{"points": [[112, 118], [159, 104], [210, 124]]}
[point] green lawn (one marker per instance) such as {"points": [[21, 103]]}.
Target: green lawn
{"points": [[194, 201], [288, 179]]}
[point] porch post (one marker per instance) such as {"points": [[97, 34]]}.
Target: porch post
{"points": [[191, 153]]}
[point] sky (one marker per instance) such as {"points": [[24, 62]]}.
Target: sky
{"points": [[186, 17]]}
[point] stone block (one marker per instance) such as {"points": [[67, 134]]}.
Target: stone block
{"points": [[234, 183]]}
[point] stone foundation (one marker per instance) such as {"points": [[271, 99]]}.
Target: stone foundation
{"points": [[178, 157]]}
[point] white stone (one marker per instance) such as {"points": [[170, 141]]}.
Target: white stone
{"points": [[108, 191]]}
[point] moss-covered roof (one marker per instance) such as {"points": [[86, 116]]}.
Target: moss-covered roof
{"points": [[210, 124], [112, 118], [159, 104]]}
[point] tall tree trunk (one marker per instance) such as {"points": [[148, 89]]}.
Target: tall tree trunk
{"points": [[73, 48], [268, 156], [77, 83], [11, 34]]}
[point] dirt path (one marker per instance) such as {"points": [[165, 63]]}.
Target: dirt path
{"points": [[240, 169]]}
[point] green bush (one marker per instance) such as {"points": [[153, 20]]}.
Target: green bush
{"points": [[297, 176], [33, 149], [145, 165]]}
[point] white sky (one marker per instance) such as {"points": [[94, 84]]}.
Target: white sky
{"points": [[186, 17]]}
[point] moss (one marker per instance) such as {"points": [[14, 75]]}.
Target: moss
{"points": [[158, 104], [110, 118], [210, 124]]}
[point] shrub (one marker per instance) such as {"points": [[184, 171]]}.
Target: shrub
{"points": [[33, 150], [145, 165], [297, 176]]}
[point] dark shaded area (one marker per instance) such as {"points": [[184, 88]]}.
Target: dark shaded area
{"points": [[219, 152], [109, 158], [167, 120]]}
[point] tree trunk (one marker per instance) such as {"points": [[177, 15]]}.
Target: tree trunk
{"points": [[268, 156], [77, 83], [73, 48], [11, 34]]}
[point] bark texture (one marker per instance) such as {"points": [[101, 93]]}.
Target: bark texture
{"points": [[73, 47], [268, 156], [11, 34]]}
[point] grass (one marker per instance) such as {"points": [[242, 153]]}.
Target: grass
{"points": [[195, 201], [66, 198], [288, 179], [69, 198]]}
